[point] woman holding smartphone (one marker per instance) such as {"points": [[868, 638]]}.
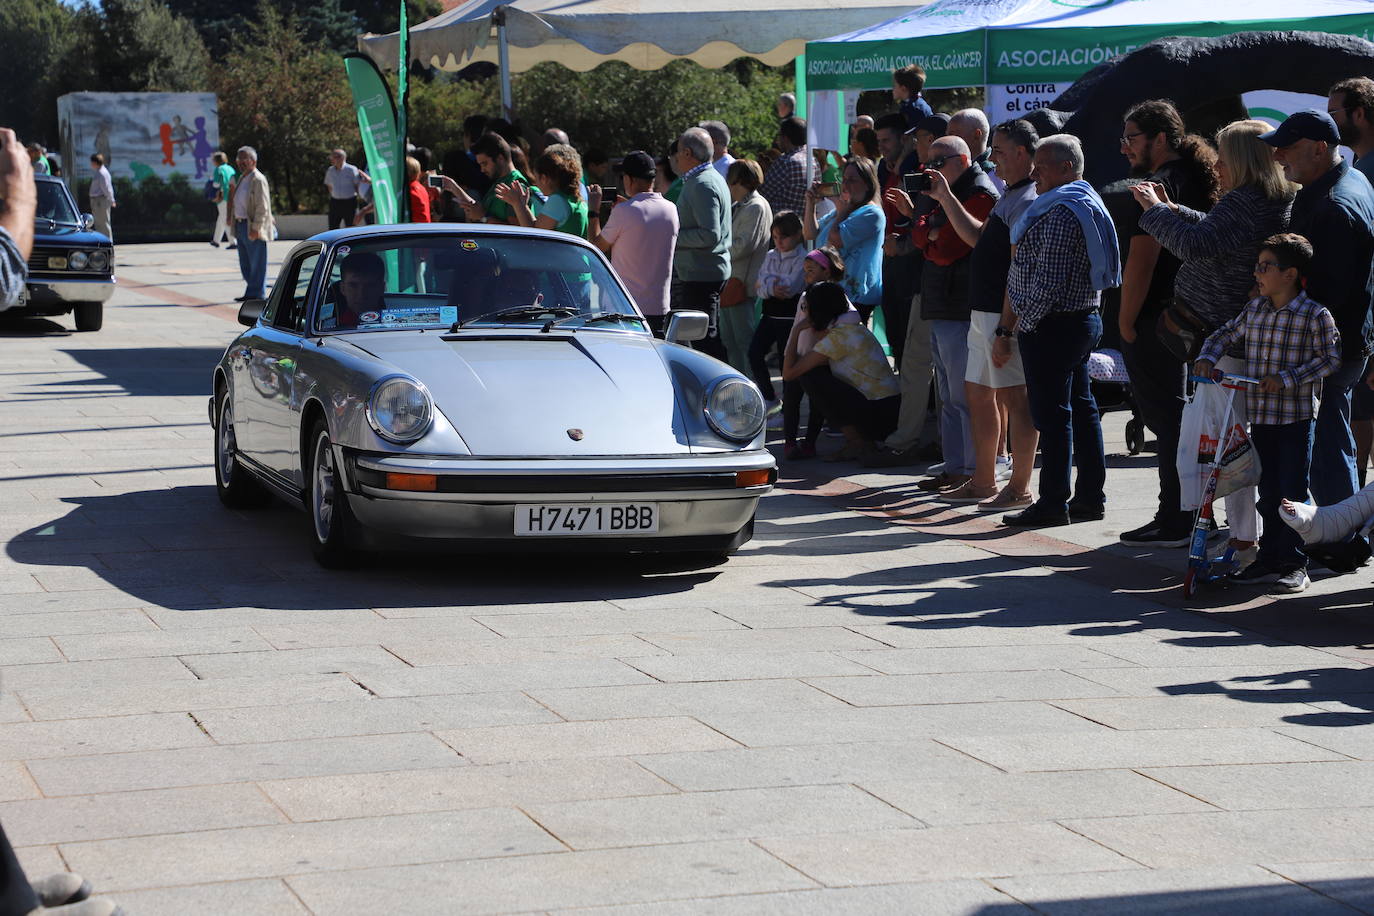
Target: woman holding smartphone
{"points": [[856, 229]]}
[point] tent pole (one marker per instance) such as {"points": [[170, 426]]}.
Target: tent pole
{"points": [[503, 56]]}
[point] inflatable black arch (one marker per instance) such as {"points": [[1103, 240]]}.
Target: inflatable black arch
{"points": [[1204, 77]]}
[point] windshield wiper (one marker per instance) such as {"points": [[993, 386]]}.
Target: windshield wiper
{"points": [[603, 316], [533, 308]]}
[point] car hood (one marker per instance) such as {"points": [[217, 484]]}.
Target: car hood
{"points": [[67, 235], [589, 393]]}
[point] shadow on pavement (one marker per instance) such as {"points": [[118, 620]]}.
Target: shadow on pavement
{"points": [[16, 326], [179, 548], [157, 371], [1309, 896]]}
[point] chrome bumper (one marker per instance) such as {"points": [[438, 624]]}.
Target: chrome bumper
{"points": [[477, 498], [69, 290]]}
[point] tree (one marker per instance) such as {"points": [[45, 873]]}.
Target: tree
{"points": [[287, 97], [438, 107], [328, 22], [37, 34], [142, 46], [619, 108], [383, 16]]}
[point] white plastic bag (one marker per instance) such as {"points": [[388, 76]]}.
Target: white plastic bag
{"points": [[1206, 421]]}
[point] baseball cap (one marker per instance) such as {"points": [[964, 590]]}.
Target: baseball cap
{"points": [[937, 125], [1304, 125], [638, 164]]}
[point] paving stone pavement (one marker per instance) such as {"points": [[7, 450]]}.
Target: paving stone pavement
{"points": [[880, 705]]}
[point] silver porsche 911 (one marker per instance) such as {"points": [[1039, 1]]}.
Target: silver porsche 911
{"points": [[484, 386]]}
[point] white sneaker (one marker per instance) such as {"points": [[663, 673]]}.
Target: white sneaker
{"points": [[773, 407], [1003, 468], [936, 469]]}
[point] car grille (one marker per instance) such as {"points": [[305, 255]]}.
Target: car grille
{"points": [[38, 261]]}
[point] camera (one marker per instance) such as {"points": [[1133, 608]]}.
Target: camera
{"points": [[915, 182], [434, 181], [829, 189]]}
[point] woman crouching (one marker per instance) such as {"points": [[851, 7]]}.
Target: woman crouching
{"points": [[846, 375]]}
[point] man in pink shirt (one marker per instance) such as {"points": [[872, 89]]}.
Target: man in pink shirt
{"points": [[640, 235]]}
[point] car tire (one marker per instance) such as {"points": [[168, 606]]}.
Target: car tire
{"points": [[90, 316], [333, 529], [234, 484]]}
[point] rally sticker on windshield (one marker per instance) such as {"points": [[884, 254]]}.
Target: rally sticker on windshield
{"points": [[468, 245], [369, 317], [343, 251], [448, 314], [414, 316]]}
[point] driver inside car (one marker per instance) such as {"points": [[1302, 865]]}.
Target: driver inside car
{"points": [[359, 292]]}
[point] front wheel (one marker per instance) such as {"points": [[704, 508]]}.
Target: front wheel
{"points": [[235, 487], [1190, 583], [332, 525], [89, 315]]}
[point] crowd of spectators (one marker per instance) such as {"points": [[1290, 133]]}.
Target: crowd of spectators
{"points": [[933, 295]]}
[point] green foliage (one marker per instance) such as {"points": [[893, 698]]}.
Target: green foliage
{"points": [[141, 46], [438, 107], [155, 210], [288, 98], [618, 108], [383, 16], [37, 35]]}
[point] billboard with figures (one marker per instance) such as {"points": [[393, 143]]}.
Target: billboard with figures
{"points": [[157, 146]]}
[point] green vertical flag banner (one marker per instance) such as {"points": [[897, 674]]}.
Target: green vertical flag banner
{"points": [[377, 125], [403, 100]]}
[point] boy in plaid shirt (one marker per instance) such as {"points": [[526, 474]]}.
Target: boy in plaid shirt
{"points": [[1291, 344]]}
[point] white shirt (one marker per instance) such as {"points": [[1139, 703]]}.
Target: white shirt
{"points": [[343, 183], [101, 185], [723, 164], [241, 196]]}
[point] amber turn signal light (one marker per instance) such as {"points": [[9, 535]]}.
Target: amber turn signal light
{"points": [[420, 483], [752, 478]]}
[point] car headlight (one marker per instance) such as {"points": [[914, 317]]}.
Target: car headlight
{"points": [[734, 408], [100, 260], [399, 409], [77, 260]]}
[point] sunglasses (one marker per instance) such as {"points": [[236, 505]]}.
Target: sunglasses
{"points": [[938, 162]]}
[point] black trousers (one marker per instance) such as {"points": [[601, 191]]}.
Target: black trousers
{"points": [[341, 211], [16, 896], [702, 296], [1157, 385], [769, 333], [900, 276], [846, 405]]}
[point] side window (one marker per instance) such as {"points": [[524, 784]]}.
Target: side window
{"points": [[289, 314]]}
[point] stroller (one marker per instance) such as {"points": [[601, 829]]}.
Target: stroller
{"points": [[1112, 389]]}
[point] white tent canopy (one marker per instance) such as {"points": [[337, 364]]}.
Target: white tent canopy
{"points": [[990, 42], [647, 34]]}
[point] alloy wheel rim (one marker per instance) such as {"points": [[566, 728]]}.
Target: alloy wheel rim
{"points": [[323, 491], [228, 443]]}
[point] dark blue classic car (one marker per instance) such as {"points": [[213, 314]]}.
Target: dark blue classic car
{"points": [[71, 268]]}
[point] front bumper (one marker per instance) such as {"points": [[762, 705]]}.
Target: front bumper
{"points": [[53, 296], [474, 499]]}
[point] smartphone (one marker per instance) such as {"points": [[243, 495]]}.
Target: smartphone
{"points": [[915, 182], [434, 181], [830, 189]]}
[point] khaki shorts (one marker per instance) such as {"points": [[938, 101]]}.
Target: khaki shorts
{"points": [[980, 369]]}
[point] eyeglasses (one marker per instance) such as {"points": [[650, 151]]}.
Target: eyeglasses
{"points": [[1127, 138], [1332, 111], [1262, 267]]}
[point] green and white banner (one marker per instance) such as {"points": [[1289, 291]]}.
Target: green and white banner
{"points": [[1017, 42], [377, 125]]}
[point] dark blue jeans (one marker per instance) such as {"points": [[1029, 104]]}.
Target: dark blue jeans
{"points": [[1055, 356], [1285, 453], [1333, 451], [252, 262]]}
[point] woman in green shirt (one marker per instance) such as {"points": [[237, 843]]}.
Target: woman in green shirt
{"points": [[557, 172]]}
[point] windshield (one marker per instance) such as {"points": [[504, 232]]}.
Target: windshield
{"points": [[54, 205], [476, 282]]}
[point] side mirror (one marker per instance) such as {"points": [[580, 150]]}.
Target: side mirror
{"points": [[251, 311], [685, 327], [87, 222]]}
